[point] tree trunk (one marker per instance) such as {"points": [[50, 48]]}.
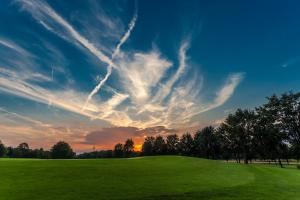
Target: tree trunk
{"points": [[280, 163], [246, 159]]}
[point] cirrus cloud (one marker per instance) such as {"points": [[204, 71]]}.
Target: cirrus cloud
{"points": [[149, 92]]}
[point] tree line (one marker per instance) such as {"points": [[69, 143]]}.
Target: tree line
{"points": [[125, 150], [269, 132], [61, 150]]}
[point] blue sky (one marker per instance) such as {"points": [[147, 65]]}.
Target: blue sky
{"points": [[94, 73]]}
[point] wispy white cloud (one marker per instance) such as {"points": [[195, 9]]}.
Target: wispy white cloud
{"points": [[13, 50], [13, 83], [115, 53], [45, 15], [13, 46], [110, 21], [24, 118], [26, 75], [142, 72], [182, 105], [10, 45], [290, 62], [146, 96], [222, 95], [184, 102], [165, 90], [17, 128], [227, 90]]}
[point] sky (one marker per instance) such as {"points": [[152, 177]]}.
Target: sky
{"points": [[94, 73]]}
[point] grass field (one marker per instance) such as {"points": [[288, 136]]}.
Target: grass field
{"points": [[165, 177]]}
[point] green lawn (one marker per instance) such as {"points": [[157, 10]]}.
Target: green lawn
{"points": [[162, 177]]}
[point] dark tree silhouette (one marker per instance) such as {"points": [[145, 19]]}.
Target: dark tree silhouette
{"points": [[128, 147], [224, 142], [97, 154], [40, 153], [10, 152], [172, 144], [270, 132], [289, 118], [62, 150], [148, 146], [2, 149], [159, 146], [22, 151], [119, 150], [206, 143], [239, 129], [270, 137], [186, 144]]}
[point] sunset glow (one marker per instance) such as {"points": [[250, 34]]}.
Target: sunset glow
{"points": [[137, 147]]}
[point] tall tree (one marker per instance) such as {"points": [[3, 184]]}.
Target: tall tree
{"points": [[128, 147], [119, 150], [22, 151], [148, 146], [206, 143], [2, 149], [289, 118], [159, 145], [270, 137], [10, 152], [224, 142], [186, 144], [172, 144], [62, 150], [240, 128]]}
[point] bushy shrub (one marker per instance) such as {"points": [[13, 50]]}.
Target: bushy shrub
{"points": [[298, 166]]}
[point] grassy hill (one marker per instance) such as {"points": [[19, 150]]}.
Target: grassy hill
{"points": [[162, 177]]}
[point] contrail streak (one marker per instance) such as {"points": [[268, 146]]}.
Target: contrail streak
{"points": [[110, 66], [42, 12], [25, 118]]}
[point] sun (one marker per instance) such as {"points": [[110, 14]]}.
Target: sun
{"points": [[137, 147]]}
